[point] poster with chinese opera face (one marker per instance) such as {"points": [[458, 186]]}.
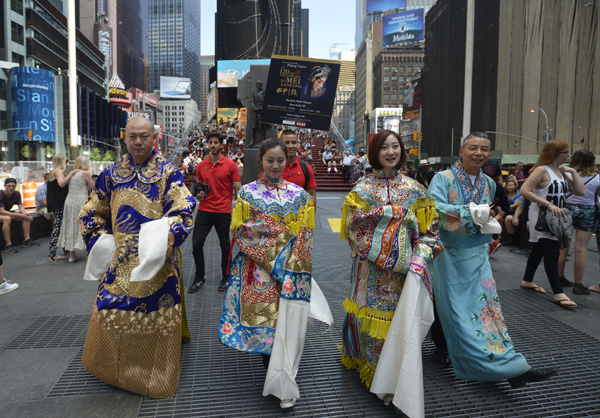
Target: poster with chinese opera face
{"points": [[300, 92]]}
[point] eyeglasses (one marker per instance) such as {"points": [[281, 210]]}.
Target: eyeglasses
{"points": [[563, 152]]}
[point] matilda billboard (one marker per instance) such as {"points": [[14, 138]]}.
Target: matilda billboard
{"points": [[403, 28], [301, 92], [32, 97]]}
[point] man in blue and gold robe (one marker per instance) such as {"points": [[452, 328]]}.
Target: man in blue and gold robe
{"points": [[139, 214]]}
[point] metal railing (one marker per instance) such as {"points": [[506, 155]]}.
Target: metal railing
{"points": [[335, 134], [181, 144], [34, 170]]}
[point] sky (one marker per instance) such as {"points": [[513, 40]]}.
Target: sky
{"points": [[330, 21]]}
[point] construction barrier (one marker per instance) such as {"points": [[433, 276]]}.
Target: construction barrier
{"points": [[29, 189]]}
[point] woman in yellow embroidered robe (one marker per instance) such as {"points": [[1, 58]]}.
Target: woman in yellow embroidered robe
{"points": [[390, 222], [269, 295]]}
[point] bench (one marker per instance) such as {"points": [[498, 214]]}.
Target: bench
{"points": [[40, 228]]}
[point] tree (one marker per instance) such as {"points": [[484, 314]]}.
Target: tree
{"points": [[95, 155], [109, 156]]}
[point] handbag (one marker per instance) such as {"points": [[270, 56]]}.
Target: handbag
{"points": [[541, 224]]}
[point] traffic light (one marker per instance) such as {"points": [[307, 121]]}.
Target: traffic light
{"points": [[30, 134], [415, 136], [121, 133]]}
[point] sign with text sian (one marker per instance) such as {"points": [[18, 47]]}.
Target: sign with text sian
{"points": [[32, 102], [403, 28], [301, 92]]}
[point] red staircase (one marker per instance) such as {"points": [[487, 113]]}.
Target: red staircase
{"points": [[327, 181]]}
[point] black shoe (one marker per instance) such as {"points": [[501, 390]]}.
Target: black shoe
{"points": [[30, 243], [565, 282], [533, 375], [10, 249], [580, 289], [223, 284], [195, 286]]}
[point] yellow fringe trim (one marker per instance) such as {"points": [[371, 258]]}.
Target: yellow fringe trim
{"points": [[353, 199], [424, 209], [305, 217], [365, 371], [376, 323]]}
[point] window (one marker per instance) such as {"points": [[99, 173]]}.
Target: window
{"points": [[386, 69], [401, 69], [394, 97], [386, 97], [386, 88], [18, 59], [386, 78], [417, 69], [400, 78], [17, 6], [409, 69], [394, 78], [16, 33], [394, 69]]}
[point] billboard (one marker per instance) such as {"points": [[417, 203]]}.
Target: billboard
{"points": [[300, 92], [385, 118], [403, 28], [211, 104], [382, 5], [175, 88], [412, 96], [230, 113], [32, 96], [229, 72]]}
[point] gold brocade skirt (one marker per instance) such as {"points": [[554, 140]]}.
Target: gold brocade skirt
{"points": [[135, 351]]}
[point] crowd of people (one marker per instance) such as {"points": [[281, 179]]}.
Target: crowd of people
{"points": [[420, 243]]}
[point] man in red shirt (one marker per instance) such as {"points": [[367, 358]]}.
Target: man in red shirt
{"points": [[295, 169], [222, 176]]}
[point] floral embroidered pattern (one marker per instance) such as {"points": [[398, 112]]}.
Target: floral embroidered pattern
{"points": [[489, 321]]}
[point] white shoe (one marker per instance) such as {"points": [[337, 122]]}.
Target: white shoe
{"points": [[287, 403], [7, 287], [335, 169], [329, 170]]}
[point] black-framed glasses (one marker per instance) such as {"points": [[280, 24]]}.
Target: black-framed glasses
{"points": [[563, 152]]}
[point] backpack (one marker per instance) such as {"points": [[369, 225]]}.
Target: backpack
{"points": [[305, 172]]}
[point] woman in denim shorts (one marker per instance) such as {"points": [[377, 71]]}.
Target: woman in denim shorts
{"points": [[583, 211]]}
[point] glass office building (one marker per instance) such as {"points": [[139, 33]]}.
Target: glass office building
{"points": [[174, 42]]}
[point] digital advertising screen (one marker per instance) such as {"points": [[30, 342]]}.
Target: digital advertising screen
{"points": [[301, 92], [175, 88], [403, 28], [374, 6], [229, 72], [32, 97]]}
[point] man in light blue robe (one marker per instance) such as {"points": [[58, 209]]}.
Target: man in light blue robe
{"points": [[463, 285]]}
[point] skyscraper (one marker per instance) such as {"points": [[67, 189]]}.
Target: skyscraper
{"points": [[206, 63], [174, 42], [258, 29]]}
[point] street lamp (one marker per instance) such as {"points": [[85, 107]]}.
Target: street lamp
{"points": [[547, 137]]}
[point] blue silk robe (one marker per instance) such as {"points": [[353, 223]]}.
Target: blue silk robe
{"points": [[135, 332], [463, 286]]}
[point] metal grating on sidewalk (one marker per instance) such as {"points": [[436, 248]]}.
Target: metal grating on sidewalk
{"points": [[53, 332], [217, 381]]}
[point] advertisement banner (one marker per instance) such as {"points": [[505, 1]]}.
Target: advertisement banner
{"points": [[412, 96], [382, 5], [32, 96], [228, 113], [175, 88], [229, 72], [211, 104], [403, 28], [300, 92]]}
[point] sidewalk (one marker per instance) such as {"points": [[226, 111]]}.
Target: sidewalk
{"points": [[43, 327]]}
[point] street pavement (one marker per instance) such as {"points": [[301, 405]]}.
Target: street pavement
{"points": [[43, 326]]}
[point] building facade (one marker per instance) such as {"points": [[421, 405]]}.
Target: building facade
{"points": [[174, 42], [391, 71], [206, 63], [178, 115]]}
